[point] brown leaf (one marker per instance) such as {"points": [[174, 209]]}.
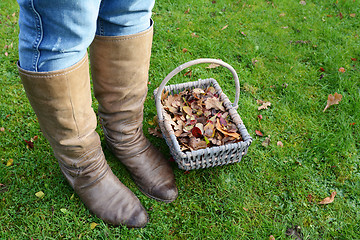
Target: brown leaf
{"points": [[266, 142], [342, 69], [213, 65], [264, 105], [225, 132], [332, 100], [188, 73], [10, 162], [209, 130], [214, 103], [184, 50], [187, 11], [194, 35], [352, 14], [155, 132], [259, 133], [164, 95], [196, 143], [187, 110], [328, 200], [196, 132]]}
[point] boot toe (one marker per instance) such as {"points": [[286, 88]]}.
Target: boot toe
{"points": [[166, 193], [138, 220]]}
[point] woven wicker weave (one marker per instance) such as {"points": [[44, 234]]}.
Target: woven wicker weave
{"points": [[211, 156]]}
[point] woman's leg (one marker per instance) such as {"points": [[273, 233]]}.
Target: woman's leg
{"points": [[55, 35], [120, 57], [54, 70]]}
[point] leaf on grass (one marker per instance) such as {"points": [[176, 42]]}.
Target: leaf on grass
{"points": [[40, 194], [302, 2], [2, 129], [332, 100], [10, 162], [271, 237], [266, 142], [93, 225], [184, 50], [259, 133], [155, 132], [224, 27], [264, 105], [188, 73], [342, 69], [328, 200], [280, 144], [63, 210], [260, 117], [29, 144], [213, 65], [352, 14], [294, 232], [194, 35]]}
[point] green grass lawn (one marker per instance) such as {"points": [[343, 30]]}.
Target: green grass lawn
{"points": [[285, 52]]}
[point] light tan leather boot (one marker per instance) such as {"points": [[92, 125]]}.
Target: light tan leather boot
{"points": [[119, 67], [62, 103]]}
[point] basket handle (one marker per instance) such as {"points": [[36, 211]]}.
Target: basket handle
{"points": [[191, 63]]}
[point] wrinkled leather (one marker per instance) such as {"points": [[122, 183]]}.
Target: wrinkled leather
{"points": [[62, 103], [119, 66]]}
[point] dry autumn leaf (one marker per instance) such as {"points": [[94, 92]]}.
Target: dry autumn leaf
{"points": [[264, 105], [199, 119], [224, 27], [10, 162], [266, 142], [259, 133], [213, 65], [93, 225], [40, 194], [328, 200], [332, 100], [342, 69]]}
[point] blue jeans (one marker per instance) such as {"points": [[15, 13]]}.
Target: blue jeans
{"points": [[55, 34]]}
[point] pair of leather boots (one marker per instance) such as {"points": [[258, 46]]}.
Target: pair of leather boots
{"points": [[62, 103]]}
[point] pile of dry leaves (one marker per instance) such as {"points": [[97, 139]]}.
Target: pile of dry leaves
{"points": [[199, 119]]}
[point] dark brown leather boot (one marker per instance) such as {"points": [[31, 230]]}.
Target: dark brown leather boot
{"points": [[119, 67], [62, 103]]}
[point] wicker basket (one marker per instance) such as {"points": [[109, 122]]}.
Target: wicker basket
{"points": [[211, 156]]}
